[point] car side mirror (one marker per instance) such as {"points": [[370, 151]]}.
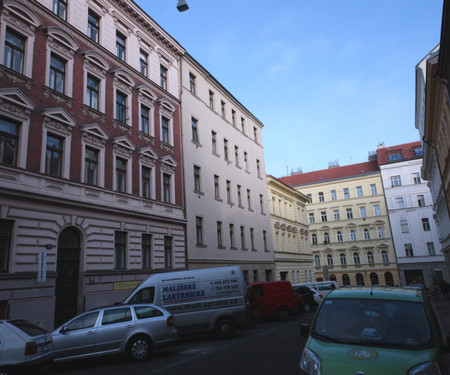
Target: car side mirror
{"points": [[304, 330], [63, 329]]}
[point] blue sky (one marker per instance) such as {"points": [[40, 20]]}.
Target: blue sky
{"points": [[329, 79]]}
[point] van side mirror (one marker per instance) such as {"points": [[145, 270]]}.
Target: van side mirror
{"points": [[304, 330]]}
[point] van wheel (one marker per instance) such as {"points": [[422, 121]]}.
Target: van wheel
{"points": [[282, 314], [139, 348], [224, 328]]}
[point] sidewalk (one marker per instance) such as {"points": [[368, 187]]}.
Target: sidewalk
{"points": [[442, 310]]}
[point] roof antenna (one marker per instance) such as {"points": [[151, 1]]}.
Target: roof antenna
{"points": [[371, 290]]}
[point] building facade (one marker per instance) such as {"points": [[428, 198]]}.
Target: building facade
{"points": [[292, 253], [349, 228], [91, 182], [410, 209], [228, 222]]}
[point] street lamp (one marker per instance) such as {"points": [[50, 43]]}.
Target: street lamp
{"points": [[182, 6]]}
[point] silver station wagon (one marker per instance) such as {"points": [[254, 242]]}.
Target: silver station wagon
{"points": [[130, 329]]}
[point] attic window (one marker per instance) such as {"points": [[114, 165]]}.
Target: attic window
{"points": [[396, 156]]}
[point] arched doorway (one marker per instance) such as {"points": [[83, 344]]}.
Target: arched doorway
{"points": [[374, 278], [67, 269], [359, 279], [389, 279], [345, 279]]}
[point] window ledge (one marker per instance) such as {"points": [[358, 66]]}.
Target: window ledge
{"points": [[58, 96]]}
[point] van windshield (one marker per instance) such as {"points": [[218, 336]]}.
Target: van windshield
{"points": [[145, 295], [383, 323]]}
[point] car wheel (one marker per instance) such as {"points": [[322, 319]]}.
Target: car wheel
{"points": [[282, 314], [307, 307], [139, 348], [224, 328]]}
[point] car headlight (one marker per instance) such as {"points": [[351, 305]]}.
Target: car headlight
{"points": [[310, 362], [427, 368]]}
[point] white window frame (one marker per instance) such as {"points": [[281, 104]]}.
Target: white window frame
{"points": [[167, 110], [96, 66], [147, 158], [94, 137], [147, 98]]}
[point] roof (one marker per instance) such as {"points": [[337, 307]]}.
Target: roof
{"points": [[331, 174], [389, 293], [406, 151]]}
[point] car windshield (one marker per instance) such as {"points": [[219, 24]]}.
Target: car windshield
{"points": [[374, 322], [29, 328]]}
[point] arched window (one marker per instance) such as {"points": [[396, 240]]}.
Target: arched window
{"points": [[370, 258], [374, 278], [345, 279], [330, 259], [389, 279], [314, 238], [380, 232], [343, 259], [356, 258], [359, 279], [339, 236], [385, 256], [352, 235], [317, 260], [333, 277], [326, 237], [366, 234]]}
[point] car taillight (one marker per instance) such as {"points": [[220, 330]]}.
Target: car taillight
{"points": [[170, 321], [320, 295], [31, 348]]}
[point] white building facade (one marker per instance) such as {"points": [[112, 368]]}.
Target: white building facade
{"points": [[228, 221]]}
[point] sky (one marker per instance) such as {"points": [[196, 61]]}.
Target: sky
{"points": [[329, 79]]}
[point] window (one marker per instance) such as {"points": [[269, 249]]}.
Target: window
{"points": [[396, 156], [252, 238], [145, 119], [243, 246], [243, 125], [9, 141], [421, 200], [211, 99], [231, 227], [192, 83], [409, 250], [349, 213], [370, 258], [120, 250], [314, 239], [366, 234], [14, 53], [5, 243], [245, 161], [317, 261], [399, 202], [168, 252], [214, 142], [167, 186], [92, 92], [54, 155], [426, 224], [194, 124], [199, 229], [326, 237], [93, 26], [120, 46], [233, 117], [339, 236], [228, 184], [416, 178], [219, 234], [249, 199], [376, 210], [321, 198], [396, 181], [380, 232], [346, 193], [385, 256], [418, 151], [431, 249], [236, 155], [261, 203], [216, 187], [225, 149], [323, 215], [143, 63], [309, 198], [87, 320], [121, 107], [258, 168], [60, 8], [163, 77], [356, 258], [311, 218], [329, 260], [146, 182], [373, 189], [255, 134], [404, 226], [352, 235], [222, 108], [265, 240], [57, 74], [165, 136], [146, 251], [91, 166], [121, 175], [197, 182], [333, 195], [362, 212], [359, 191], [337, 217], [343, 259]]}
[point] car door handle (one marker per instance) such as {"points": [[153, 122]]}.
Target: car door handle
{"points": [[130, 325], [90, 332]]}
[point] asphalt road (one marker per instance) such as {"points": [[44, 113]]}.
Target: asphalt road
{"points": [[270, 347]]}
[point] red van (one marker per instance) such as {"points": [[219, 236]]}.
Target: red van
{"points": [[274, 299]]}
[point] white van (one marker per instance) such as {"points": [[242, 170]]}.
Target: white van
{"points": [[200, 300], [323, 287]]}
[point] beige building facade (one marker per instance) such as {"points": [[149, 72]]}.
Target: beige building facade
{"points": [[288, 218], [349, 229]]}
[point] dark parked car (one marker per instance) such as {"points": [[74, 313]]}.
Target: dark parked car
{"points": [[309, 303]]}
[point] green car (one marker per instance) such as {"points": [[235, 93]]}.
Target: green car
{"points": [[374, 331]]}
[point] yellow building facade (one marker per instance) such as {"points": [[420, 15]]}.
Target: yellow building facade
{"points": [[349, 230], [288, 217]]}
